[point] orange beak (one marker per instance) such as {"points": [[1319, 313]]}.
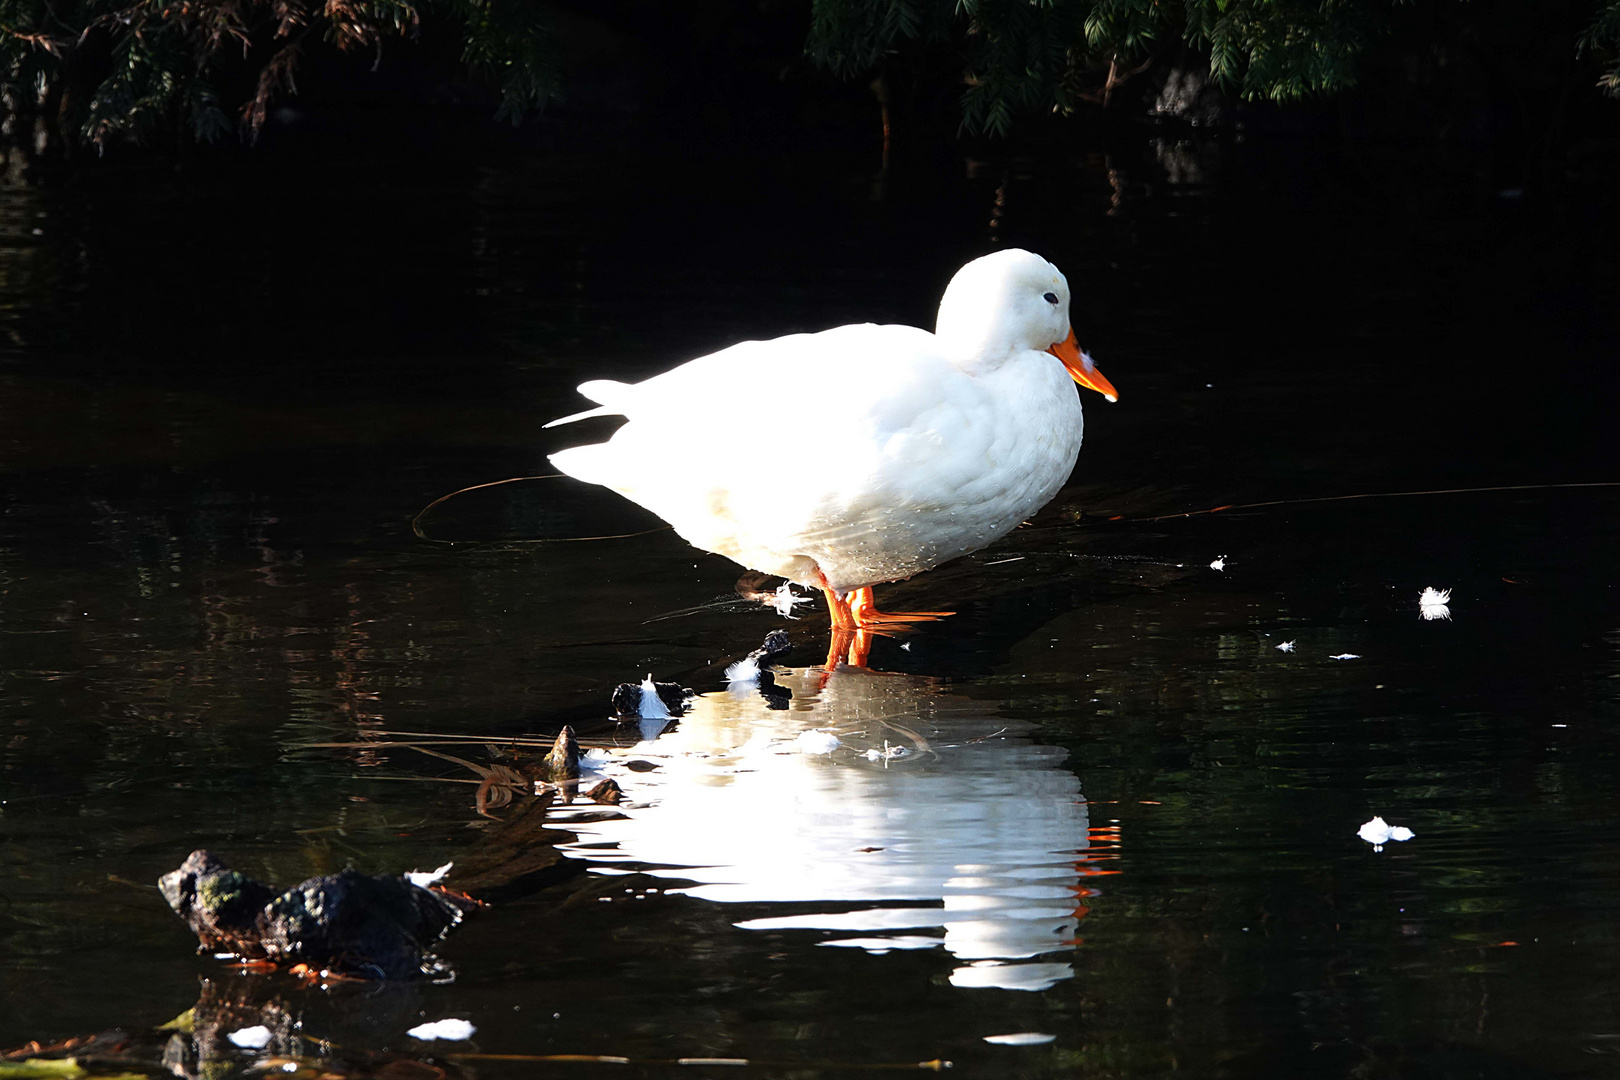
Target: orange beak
{"points": [[1080, 367]]}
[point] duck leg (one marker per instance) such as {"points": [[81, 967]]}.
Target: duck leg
{"points": [[838, 608], [863, 610], [848, 647]]}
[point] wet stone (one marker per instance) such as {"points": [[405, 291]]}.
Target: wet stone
{"points": [[372, 926], [219, 904], [378, 925], [607, 792], [563, 761]]}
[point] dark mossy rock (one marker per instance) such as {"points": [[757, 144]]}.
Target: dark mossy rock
{"points": [[377, 925], [220, 905], [776, 644], [563, 762]]}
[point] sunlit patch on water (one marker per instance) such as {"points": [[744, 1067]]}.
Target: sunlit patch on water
{"points": [[930, 814]]}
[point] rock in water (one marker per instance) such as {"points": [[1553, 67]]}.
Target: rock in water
{"points": [[378, 925], [607, 792], [563, 761], [627, 699], [219, 904], [776, 643]]}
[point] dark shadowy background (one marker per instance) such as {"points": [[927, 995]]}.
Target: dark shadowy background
{"points": [[230, 376]]}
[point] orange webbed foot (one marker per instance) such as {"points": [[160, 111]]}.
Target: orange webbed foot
{"points": [[863, 610]]}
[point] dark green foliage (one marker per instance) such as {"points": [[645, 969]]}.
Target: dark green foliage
{"points": [[1602, 39], [1021, 56], [99, 70], [510, 44]]}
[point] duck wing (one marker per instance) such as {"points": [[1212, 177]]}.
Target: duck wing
{"points": [[797, 444]]}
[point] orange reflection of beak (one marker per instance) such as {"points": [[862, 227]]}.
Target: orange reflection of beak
{"points": [[1081, 368]]}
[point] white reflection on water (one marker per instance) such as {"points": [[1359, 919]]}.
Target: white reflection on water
{"points": [[957, 822]]}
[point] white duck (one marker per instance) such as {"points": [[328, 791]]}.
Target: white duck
{"points": [[922, 447]]}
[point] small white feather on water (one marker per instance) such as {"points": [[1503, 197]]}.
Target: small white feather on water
{"points": [[1432, 604], [745, 670], [1379, 832], [785, 599], [1219, 563], [256, 1037], [424, 878], [652, 706], [1287, 646], [451, 1029], [888, 752], [817, 742], [1021, 1038], [1346, 656]]}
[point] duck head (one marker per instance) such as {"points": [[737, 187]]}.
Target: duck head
{"points": [[1012, 302]]}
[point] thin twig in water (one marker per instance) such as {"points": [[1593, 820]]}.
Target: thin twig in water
{"points": [[1374, 495], [921, 743], [936, 1065], [416, 522]]}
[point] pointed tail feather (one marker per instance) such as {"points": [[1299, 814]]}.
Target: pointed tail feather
{"points": [[610, 395], [600, 410]]}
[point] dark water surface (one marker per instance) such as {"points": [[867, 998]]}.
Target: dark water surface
{"points": [[1119, 814]]}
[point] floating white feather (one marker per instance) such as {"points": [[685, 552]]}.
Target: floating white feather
{"points": [[817, 742], [784, 599], [451, 1029], [424, 878], [652, 706], [1379, 832], [745, 670], [1432, 604]]}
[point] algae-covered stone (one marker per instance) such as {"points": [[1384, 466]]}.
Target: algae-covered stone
{"points": [[218, 903]]}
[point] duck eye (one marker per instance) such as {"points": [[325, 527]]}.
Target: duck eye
{"points": [[1050, 298]]}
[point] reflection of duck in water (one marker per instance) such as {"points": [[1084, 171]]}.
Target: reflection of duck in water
{"points": [[929, 815], [927, 447]]}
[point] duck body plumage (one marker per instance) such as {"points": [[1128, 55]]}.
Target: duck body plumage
{"points": [[866, 453]]}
